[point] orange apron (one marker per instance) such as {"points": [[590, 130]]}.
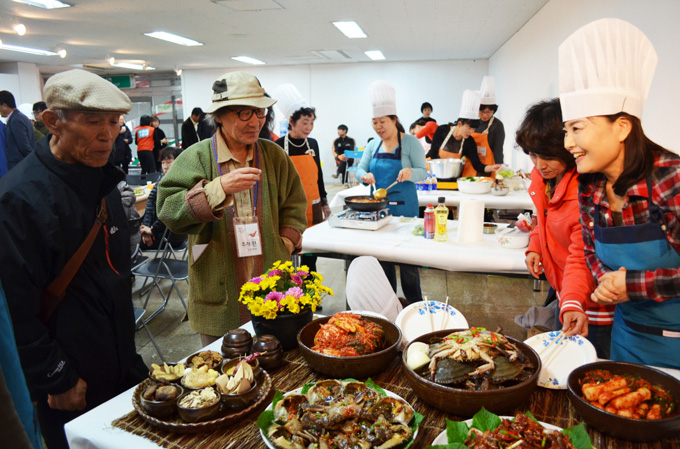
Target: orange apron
{"points": [[309, 175], [483, 150]]}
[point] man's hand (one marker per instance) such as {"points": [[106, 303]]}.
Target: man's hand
{"points": [[533, 262], [611, 288], [575, 323], [122, 130], [240, 179], [326, 211], [73, 399], [342, 157], [147, 235]]}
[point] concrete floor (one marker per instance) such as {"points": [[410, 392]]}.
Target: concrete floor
{"points": [[485, 300]]}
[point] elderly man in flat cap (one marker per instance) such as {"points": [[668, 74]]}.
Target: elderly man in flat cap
{"points": [[241, 201], [66, 256]]}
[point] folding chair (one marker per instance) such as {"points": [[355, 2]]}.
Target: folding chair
{"points": [[141, 180], [356, 157], [139, 323], [163, 267]]}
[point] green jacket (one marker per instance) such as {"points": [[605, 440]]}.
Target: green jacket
{"points": [[216, 277]]}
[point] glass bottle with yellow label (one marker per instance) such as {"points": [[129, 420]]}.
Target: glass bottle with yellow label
{"points": [[441, 214]]}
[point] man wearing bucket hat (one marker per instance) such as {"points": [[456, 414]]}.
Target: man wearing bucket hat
{"points": [[241, 201], [66, 256], [629, 191]]}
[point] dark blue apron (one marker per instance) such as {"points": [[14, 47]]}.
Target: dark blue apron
{"points": [[385, 168], [644, 332]]}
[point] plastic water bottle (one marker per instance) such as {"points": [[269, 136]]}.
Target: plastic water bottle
{"points": [[430, 222], [428, 183], [441, 216], [434, 183]]}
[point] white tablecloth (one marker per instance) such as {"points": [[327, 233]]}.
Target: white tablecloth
{"points": [[519, 199], [395, 243]]}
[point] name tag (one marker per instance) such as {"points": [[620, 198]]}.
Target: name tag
{"points": [[248, 240], [481, 151]]}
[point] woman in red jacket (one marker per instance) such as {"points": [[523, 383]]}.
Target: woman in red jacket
{"points": [[556, 243]]}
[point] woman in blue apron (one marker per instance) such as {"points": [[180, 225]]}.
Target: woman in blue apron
{"points": [[395, 156], [630, 199]]}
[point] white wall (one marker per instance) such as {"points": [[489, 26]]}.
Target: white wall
{"points": [[525, 67], [339, 92], [23, 80]]}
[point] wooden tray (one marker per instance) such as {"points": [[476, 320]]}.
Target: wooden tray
{"points": [[224, 417]]}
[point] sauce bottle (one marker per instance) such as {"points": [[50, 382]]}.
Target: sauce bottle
{"points": [[441, 216], [429, 222]]}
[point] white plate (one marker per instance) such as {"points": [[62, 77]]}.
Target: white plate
{"points": [[298, 390], [428, 316], [560, 359], [441, 438]]}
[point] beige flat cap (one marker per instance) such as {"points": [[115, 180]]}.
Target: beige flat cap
{"points": [[80, 90]]}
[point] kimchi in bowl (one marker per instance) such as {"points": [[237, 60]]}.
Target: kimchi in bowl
{"points": [[358, 367]]}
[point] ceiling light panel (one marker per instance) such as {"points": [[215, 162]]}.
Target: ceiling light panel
{"points": [[248, 5], [32, 51], [248, 60], [174, 38], [350, 29], [46, 4], [375, 55]]}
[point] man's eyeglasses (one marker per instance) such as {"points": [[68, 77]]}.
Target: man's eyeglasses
{"points": [[246, 114]]}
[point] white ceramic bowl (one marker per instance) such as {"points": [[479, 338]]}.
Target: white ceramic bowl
{"points": [[515, 183], [513, 238], [475, 187]]}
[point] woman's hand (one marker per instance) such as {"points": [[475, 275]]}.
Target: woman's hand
{"points": [[404, 174], [492, 168], [326, 212], [575, 323], [611, 288], [147, 235], [534, 265], [368, 178], [240, 179]]}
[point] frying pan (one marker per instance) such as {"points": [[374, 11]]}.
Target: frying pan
{"points": [[366, 207]]}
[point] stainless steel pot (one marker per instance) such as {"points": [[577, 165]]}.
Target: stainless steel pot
{"points": [[446, 168]]}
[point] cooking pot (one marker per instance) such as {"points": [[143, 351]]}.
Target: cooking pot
{"points": [[373, 206], [446, 168]]}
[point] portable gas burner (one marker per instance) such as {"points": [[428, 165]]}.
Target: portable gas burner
{"points": [[353, 219]]}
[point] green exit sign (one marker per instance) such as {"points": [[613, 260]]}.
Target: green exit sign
{"points": [[122, 81]]}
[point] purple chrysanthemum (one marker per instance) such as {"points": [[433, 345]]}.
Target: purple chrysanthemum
{"points": [[295, 292], [296, 279]]}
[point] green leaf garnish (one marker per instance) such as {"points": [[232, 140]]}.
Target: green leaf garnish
{"points": [[369, 383], [485, 420], [456, 431], [579, 437], [306, 387], [266, 418]]}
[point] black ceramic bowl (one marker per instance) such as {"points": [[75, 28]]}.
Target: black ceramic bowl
{"points": [[228, 365], [617, 426], [193, 415], [359, 367], [215, 359], [240, 401], [160, 409], [465, 403]]}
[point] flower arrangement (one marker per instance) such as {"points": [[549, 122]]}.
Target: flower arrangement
{"points": [[283, 290]]}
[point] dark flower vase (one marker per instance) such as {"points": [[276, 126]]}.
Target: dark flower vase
{"points": [[284, 327]]}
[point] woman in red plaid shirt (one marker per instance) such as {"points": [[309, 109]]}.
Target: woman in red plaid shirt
{"points": [[629, 190]]}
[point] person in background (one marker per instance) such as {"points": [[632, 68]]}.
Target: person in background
{"points": [[267, 131], [27, 110], [454, 140], [146, 140], [122, 154], [159, 141], [254, 183], [425, 132], [340, 145], [394, 156], [304, 152], [38, 108], [556, 244], [18, 418], [490, 133], [426, 110], [3, 150], [78, 352], [19, 138], [152, 228], [190, 128], [629, 191]]}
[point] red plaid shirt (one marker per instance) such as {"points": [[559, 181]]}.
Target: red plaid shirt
{"points": [[661, 284]]}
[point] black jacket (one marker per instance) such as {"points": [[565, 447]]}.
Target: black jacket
{"points": [[122, 154], [189, 134], [47, 207]]}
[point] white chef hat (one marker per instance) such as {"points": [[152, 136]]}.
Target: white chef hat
{"points": [[383, 98], [469, 108], [488, 90], [605, 67], [289, 99]]}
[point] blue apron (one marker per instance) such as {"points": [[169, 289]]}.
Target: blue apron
{"points": [[385, 168], [644, 332]]}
